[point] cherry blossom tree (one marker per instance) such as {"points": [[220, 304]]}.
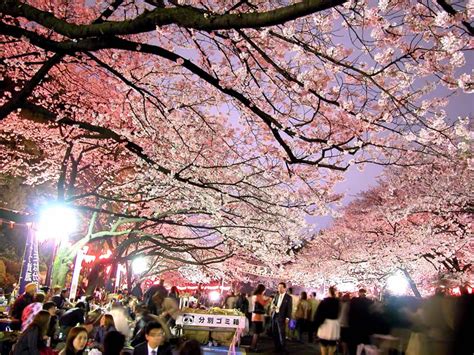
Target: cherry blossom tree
{"points": [[417, 220], [203, 130]]}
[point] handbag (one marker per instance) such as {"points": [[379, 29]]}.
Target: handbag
{"points": [[292, 324], [299, 312]]}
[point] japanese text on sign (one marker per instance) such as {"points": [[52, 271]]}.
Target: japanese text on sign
{"points": [[211, 320]]}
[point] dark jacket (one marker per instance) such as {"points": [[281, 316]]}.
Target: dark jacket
{"points": [[72, 317], [286, 307], [138, 336], [52, 329], [142, 349], [29, 343], [360, 319], [101, 333], [359, 311], [152, 290], [59, 301], [242, 304], [327, 309]]}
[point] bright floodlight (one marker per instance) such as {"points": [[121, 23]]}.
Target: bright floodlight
{"points": [[214, 296], [56, 222], [397, 284], [139, 265]]}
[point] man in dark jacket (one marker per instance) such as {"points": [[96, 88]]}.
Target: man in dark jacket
{"points": [[143, 317], [281, 308], [155, 341], [360, 321]]}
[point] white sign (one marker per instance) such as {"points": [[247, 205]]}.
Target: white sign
{"points": [[211, 320]]}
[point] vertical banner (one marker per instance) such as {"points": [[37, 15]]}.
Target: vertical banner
{"points": [[75, 274], [30, 265]]}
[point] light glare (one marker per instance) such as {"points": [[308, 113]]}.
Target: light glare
{"points": [[397, 284], [56, 222], [214, 296], [139, 265]]}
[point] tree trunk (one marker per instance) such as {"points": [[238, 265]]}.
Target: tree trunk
{"points": [[94, 278], [411, 283], [129, 275], [61, 267]]}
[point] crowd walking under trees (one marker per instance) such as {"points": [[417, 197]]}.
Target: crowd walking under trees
{"points": [[338, 323]]}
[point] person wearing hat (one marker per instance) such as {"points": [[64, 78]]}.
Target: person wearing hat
{"points": [[24, 300], [72, 318]]}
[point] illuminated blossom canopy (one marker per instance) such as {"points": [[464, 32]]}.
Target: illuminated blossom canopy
{"points": [[417, 221], [198, 131]]}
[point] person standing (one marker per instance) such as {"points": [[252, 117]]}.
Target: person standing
{"points": [[314, 303], [291, 326], [360, 321], [282, 308], [327, 322], [344, 323], [169, 312], [159, 289], [230, 300], [302, 315], [174, 293], [242, 303], [251, 300], [258, 315]]}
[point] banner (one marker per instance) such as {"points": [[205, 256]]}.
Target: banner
{"points": [[30, 265], [75, 274], [211, 320]]}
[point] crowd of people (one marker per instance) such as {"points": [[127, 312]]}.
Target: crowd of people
{"points": [[351, 323], [111, 324], [120, 323]]}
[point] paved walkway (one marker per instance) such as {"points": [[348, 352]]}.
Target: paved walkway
{"points": [[266, 348]]}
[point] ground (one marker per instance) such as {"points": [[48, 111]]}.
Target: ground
{"points": [[266, 347]]}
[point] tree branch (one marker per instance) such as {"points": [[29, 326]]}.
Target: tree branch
{"points": [[185, 16]]}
